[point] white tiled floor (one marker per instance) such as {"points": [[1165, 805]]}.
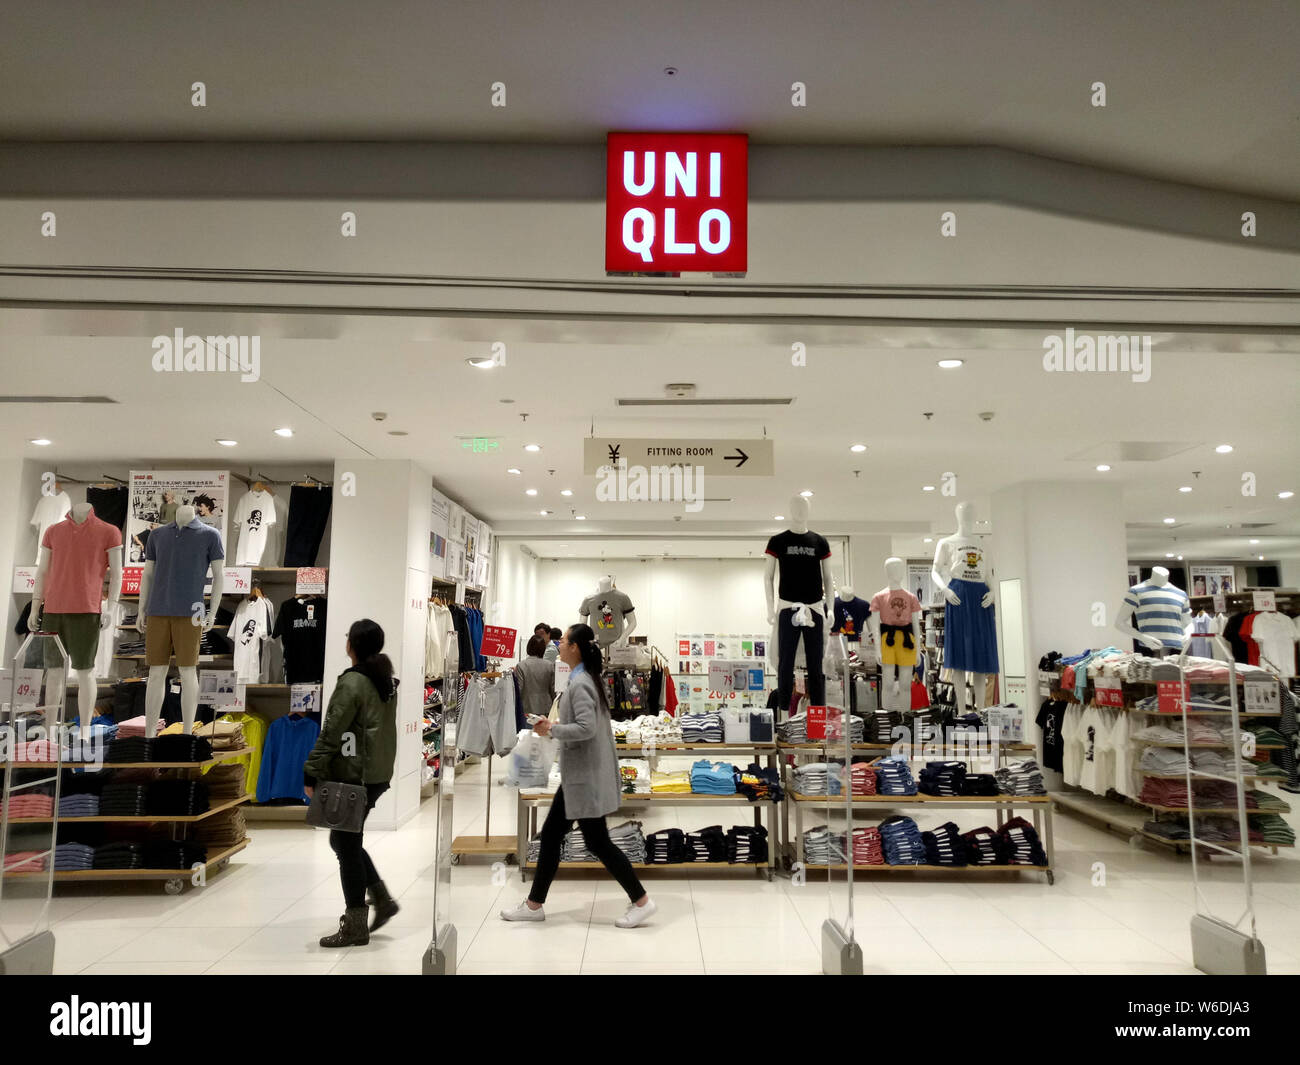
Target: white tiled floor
{"points": [[265, 913]]}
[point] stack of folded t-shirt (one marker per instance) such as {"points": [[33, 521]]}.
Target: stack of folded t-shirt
{"points": [[635, 775], [746, 843], [73, 857], [867, 847], [123, 800], [707, 845], [177, 798], [221, 830], [942, 778], [983, 847], [670, 783], [629, 838], [980, 784], [1021, 778], [758, 782], [223, 735], [863, 776], [901, 842], [812, 778], [85, 804], [226, 782], [174, 854], [879, 727], [131, 749], [1020, 843], [181, 748], [944, 845], [535, 850], [820, 848], [793, 730], [30, 804], [1273, 829], [120, 856], [575, 847], [894, 776], [666, 847], [131, 727], [1164, 761], [25, 861], [1172, 830], [713, 778], [702, 728]]}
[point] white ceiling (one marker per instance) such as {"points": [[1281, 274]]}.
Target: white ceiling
{"points": [[324, 375], [1197, 90]]}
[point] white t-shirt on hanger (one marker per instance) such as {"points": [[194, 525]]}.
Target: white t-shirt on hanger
{"points": [[1275, 635], [50, 510], [1122, 756], [254, 514], [1095, 774], [108, 638], [1072, 754], [251, 626]]}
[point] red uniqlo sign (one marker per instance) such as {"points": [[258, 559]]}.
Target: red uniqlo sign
{"points": [[676, 202], [497, 642], [131, 579], [1169, 696]]}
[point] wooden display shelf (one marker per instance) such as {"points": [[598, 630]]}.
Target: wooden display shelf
{"points": [[886, 867], [1210, 845], [627, 799], [1209, 746], [1205, 713], [484, 845], [133, 874], [718, 748], [216, 759], [530, 866], [928, 800], [1212, 809], [1200, 775], [954, 747], [104, 819]]}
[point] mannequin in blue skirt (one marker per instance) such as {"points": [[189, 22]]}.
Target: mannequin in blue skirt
{"points": [[963, 572]]}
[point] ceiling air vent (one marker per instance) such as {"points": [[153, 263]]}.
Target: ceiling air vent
{"points": [[56, 399], [721, 401]]}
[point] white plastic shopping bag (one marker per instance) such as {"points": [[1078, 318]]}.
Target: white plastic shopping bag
{"points": [[530, 760]]}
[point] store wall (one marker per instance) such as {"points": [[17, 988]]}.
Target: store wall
{"points": [[1290, 571], [512, 600]]}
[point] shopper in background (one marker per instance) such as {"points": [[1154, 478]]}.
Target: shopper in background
{"points": [[553, 645], [358, 745], [591, 786], [537, 677]]}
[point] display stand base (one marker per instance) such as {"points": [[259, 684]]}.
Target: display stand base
{"points": [[484, 845], [1221, 950], [840, 955], [440, 958], [33, 956]]}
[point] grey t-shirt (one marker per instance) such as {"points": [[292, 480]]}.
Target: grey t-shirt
{"points": [[606, 611]]}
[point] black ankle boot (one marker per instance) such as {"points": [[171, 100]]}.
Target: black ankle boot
{"points": [[352, 930], [385, 905]]}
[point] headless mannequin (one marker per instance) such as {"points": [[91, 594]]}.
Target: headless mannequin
{"points": [[1127, 624], [895, 681], [55, 679], [603, 586], [945, 568], [799, 511], [157, 687]]}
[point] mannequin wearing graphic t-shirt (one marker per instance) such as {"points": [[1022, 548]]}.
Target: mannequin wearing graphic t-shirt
{"points": [[799, 590], [610, 614], [895, 623], [156, 691], [962, 571], [71, 570]]}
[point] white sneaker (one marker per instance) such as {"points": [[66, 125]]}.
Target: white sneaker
{"points": [[637, 915], [523, 912]]}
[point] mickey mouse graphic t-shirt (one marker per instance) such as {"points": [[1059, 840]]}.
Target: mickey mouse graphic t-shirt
{"points": [[605, 612], [254, 515]]}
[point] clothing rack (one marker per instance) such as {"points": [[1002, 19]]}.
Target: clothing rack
{"points": [[106, 480], [488, 844], [1288, 601]]}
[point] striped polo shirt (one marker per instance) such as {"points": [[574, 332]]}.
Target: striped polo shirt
{"points": [[1160, 611]]}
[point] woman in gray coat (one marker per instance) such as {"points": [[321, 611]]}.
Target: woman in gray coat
{"points": [[590, 786]]}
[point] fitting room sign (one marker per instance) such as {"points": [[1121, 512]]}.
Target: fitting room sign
{"points": [[717, 458], [676, 202]]}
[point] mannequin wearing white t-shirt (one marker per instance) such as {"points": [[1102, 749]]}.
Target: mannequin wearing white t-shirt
{"points": [[1127, 624], [156, 691], [947, 564], [603, 587], [56, 680], [895, 681]]}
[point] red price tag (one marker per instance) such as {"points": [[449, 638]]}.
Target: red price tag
{"points": [[825, 723], [1170, 696], [1107, 691], [131, 579], [498, 642]]}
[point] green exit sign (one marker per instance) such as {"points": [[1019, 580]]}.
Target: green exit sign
{"points": [[483, 444]]}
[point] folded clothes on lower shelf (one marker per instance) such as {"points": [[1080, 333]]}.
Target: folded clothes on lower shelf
{"points": [[25, 862]]}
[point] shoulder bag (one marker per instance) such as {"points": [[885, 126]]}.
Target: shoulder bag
{"points": [[338, 806]]}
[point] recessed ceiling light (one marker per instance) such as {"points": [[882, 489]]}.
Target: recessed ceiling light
{"points": [[566, 492], [483, 362], [1180, 558], [805, 493], [286, 431], [398, 432], [227, 443], [505, 400], [1261, 558], [1169, 554], [1223, 449], [514, 469], [40, 441], [1254, 541], [1169, 521], [532, 447], [858, 447], [928, 540], [950, 364], [543, 513], [563, 547], [1103, 468], [1185, 488], [530, 491], [580, 517], [778, 517], [927, 488], [1285, 495]]}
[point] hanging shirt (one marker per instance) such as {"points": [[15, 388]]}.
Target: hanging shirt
{"points": [[851, 618], [1072, 757], [181, 558], [1051, 717], [799, 559], [254, 516], [301, 631], [74, 583], [1274, 634], [1204, 624], [252, 625], [1160, 610], [108, 637], [289, 741], [50, 510], [1122, 756], [1094, 735]]}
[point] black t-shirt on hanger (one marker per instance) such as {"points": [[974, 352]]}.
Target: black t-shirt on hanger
{"points": [[1051, 718], [799, 562], [300, 626]]}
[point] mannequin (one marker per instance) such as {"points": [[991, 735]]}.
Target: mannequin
{"points": [[74, 556], [895, 623], [851, 615], [962, 571], [1155, 613], [610, 613], [799, 590], [179, 558]]}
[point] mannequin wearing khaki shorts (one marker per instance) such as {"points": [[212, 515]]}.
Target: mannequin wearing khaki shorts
{"points": [[167, 636]]}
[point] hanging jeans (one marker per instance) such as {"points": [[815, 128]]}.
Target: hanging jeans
{"points": [[595, 833], [787, 642], [356, 870]]}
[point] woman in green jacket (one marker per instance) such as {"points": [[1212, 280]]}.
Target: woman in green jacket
{"points": [[358, 745]]}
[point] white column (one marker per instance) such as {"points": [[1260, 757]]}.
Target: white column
{"points": [[865, 566], [379, 569]]}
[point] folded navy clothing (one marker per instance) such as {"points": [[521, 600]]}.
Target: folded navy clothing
{"points": [[894, 776], [944, 846], [900, 839], [667, 847], [943, 778], [983, 847], [1020, 843], [132, 749], [177, 797], [980, 784], [181, 748]]}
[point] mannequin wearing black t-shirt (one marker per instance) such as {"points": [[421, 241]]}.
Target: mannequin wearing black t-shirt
{"points": [[798, 587]]}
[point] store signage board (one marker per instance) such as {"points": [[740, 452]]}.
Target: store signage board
{"points": [[304, 699], [24, 579], [717, 458], [131, 579], [825, 723], [27, 687], [310, 580], [1108, 691], [1220, 603], [237, 580], [676, 202], [220, 687], [1263, 696], [1170, 697], [1264, 600], [498, 642]]}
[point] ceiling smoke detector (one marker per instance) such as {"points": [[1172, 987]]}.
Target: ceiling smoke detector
{"points": [[684, 390]]}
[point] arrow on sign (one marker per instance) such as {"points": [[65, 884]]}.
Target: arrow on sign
{"points": [[740, 455]]}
